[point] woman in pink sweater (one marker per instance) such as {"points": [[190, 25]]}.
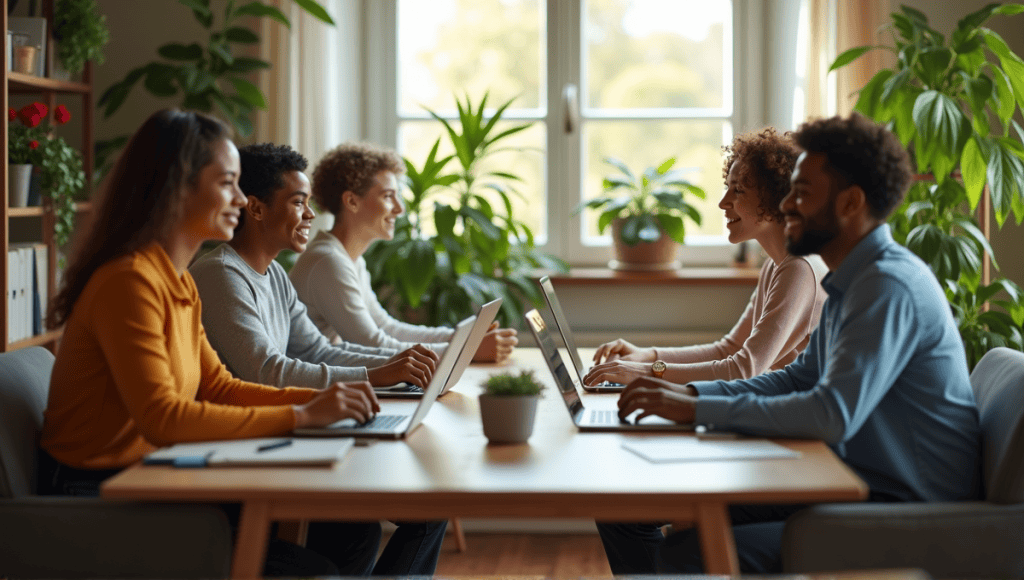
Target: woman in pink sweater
{"points": [[786, 304]]}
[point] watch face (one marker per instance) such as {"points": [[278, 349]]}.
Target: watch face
{"points": [[658, 367]]}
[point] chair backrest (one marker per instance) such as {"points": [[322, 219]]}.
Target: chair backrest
{"points": [[998, 383], [24, 385]]}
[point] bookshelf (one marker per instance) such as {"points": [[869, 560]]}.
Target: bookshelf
{"points": [[46, 90]]}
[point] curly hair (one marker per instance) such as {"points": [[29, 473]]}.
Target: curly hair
{"points": [[351, 167], [860, 152], [769, 159], [263, 165]]}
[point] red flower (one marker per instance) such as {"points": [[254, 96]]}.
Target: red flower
{"points": [[43, 110], [12, 114], [61, 115], [33, 144], [30, 114]]}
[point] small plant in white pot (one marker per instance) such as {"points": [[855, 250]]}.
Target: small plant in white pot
{"points": [[508, 406]]}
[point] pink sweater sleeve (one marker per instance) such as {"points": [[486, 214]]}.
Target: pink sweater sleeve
{"points": [[773, 329]]}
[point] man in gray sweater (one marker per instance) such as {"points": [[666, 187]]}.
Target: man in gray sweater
{"points": [[251, 312]]}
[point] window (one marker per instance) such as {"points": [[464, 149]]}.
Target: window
{"points": [[640, 80]]}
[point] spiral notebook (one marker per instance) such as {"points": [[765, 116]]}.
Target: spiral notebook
{"points": [[270, 452]]}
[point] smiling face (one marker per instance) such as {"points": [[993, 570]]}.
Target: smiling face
{"points": [[810, 207], [374, 213], [216, 201], [285, 222], [741, 203]]}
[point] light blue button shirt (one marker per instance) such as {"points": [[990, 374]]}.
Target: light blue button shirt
{"points": [[883, 381]]}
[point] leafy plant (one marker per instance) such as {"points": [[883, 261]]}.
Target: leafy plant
{"points": [[205, 78], [509, 385], [952, 105], [59, 165], [81, 33], [479, 252], [655, 203]]}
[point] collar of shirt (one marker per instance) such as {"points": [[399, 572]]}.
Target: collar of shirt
{"points": [[864, 253], [181, 287]]}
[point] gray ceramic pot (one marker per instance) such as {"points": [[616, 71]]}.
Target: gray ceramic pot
{"points": [[508, 419]]}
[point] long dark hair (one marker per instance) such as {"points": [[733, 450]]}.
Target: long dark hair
{"points": [[143, 197]]}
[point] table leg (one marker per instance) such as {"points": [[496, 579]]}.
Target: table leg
{"points": [[460, 538], [718, 546], [251, 545]]}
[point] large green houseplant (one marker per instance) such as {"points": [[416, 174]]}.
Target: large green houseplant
{"points": [[652, 208], [479, 251], [210, 78], [952, 104]]}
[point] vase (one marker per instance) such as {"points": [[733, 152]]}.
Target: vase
{"points": [[508, 419], [643, 256], [19, 175]]}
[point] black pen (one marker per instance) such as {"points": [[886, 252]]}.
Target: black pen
{"points": [[274, 445]]}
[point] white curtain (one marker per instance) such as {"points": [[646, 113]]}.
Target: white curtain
{"points": [[314, 85], [835, 26]]}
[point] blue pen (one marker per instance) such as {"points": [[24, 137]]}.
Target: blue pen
{"points": [[274, 445]]}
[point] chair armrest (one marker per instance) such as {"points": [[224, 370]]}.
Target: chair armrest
{"points": [[66, 537], [947, 540]]}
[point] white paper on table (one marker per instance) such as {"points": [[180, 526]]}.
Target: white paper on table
{"points": [[672, 449]]}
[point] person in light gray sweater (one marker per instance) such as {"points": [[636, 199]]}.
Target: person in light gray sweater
{"points": [[250, 310]]}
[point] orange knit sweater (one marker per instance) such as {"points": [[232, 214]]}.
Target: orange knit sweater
{"points": [[135, 371]]}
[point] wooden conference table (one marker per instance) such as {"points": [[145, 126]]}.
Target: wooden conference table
{"points": [[446, 469]]}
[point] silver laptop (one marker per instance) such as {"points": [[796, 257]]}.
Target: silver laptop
{"points": [[603, 414], [392, 423], [484, 316], [570, 342]]}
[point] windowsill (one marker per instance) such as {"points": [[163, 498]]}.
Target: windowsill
{"points": [[686, 276]]}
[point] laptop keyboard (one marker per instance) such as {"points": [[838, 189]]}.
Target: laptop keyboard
{"points": [[399, 388], [382, 422], [604, 417]]}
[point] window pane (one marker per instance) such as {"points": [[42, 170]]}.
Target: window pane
{"points": [[460, 47], [695, 144], [416, 138], [653, 54]]}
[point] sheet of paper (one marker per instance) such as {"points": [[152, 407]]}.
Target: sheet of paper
{"points": [[674, 449], [247, 452]]}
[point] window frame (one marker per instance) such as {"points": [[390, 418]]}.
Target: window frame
{"points": [[563, 150]]}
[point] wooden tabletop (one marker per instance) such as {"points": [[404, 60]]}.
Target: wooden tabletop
{"points": [[446, 469]]}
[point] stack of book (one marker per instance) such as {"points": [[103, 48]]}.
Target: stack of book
{"points": [[26, 290]]}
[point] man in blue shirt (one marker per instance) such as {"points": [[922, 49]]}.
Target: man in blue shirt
{"points": [[883, 380]]}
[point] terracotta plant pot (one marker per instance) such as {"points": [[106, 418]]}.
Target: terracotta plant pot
{"points": [[644, 256], [508, 419]]}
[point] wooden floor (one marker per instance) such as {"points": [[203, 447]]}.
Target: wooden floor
{"points": [[542, 555]]}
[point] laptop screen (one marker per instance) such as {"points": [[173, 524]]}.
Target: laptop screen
{"points": [[566, 385], [563, 325]]}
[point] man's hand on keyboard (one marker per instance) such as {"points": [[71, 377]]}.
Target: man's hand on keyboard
{"points": [[415, 366], [659, 397]]}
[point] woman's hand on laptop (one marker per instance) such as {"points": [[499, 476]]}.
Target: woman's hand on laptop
{"points": [[623, 349], [414, 366], [659, 397], [616, 371], [497, 345], [336, 402]]}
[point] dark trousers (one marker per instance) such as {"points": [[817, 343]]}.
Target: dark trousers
{"points": [[643, 549], [332, 548]]}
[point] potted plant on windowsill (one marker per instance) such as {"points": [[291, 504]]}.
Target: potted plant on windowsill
{"points": [[508, 406], [648, 222], [952, 105]]}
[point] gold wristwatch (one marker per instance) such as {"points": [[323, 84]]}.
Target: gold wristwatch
{"points": [[658, 368]]}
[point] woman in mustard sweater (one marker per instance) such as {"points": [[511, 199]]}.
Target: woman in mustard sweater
{"points": [[135, 370]]}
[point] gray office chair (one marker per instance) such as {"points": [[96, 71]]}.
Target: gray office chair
{"points": [[65, 537], [975, 539]]}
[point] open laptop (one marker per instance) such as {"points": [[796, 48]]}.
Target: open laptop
{"points": [[548, 290], [484, 316], [603, 415], [392, 423]]}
